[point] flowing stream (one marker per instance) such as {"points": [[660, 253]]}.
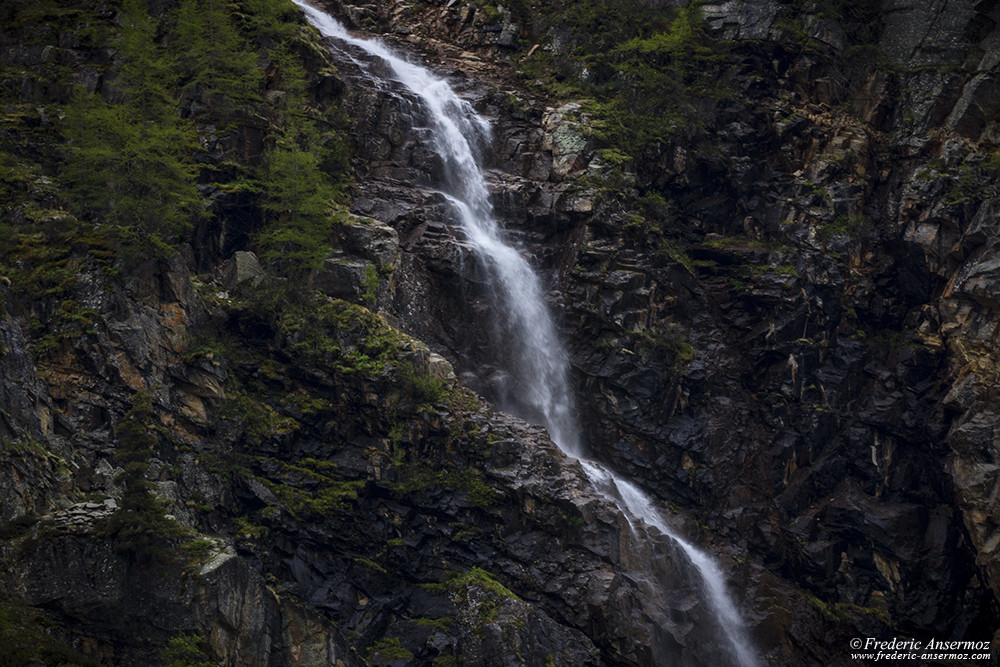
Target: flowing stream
{"points": [[457, 133]]}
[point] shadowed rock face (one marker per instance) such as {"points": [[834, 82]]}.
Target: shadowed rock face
{"points": [[814, 425], [799, 366]]}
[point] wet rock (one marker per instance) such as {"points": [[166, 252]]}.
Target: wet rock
{"points": [[440, 368], [373, 240], [565, 140], [242, 268], [343, 276], [741, 19]]}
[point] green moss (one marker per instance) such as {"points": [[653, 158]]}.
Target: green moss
{"points": [[197, 550], [371, 565], [440, 624], [330, 333], [416, 477], [670, 341], [26, 450], [308, 490], [419, 387], [370, 283], [249, 529], [459, 585], [676, 253], [388, 650], [849, 226], [780, 269], [786, 270], [843, 612], [475, 577], [734, 242], [260, 421]]}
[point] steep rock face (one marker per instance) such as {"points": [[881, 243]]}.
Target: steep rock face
{"points": [[111, 607], [342, 478], [799, 363], [777, 368], [120, 613]]}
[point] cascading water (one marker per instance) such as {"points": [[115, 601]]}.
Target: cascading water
{"points": [[457, 132]]}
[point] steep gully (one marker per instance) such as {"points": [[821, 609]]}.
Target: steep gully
{"points": [[457, 132]]}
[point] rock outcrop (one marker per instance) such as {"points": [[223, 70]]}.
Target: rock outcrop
{"points": [[791, 347]]}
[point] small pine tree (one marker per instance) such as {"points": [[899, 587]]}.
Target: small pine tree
{"points": [[136, 177], [299, 204], [184, 651], [147, 76], [212, 53], [269, 22], [140, 526]]}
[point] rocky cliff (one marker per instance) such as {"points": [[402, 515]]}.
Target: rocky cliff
{"points": [[778, 296]]}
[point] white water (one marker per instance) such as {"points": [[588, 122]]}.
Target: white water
{"points": [[543, 365]]}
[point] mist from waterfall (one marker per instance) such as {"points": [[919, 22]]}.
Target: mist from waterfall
{"points": [[542, 363]]}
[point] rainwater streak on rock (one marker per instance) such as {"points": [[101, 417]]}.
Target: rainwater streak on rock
{"points": [[457, 132]]}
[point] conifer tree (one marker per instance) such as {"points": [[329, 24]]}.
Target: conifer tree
{"points": [[147, 76], [130, 165], [211, 51], [140, 526], [137, 177], [269, 22], [299, 203]]}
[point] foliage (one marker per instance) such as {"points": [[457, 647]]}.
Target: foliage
{"points": [[140, 526], [299, 201], [17, 527], [184, 650], [128, 162], [148, 73], [302, 172], [25, 640], [642, 71], [137, 178], [269, 22], [131, 165], [388, 650], [212, 54]]}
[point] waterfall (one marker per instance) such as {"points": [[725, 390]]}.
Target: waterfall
{"points": [[457, 132]]}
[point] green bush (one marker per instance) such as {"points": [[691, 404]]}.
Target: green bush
{"points": [[184, 650], [140, 526], [641, 71], [25, 640], [130, 166]]}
